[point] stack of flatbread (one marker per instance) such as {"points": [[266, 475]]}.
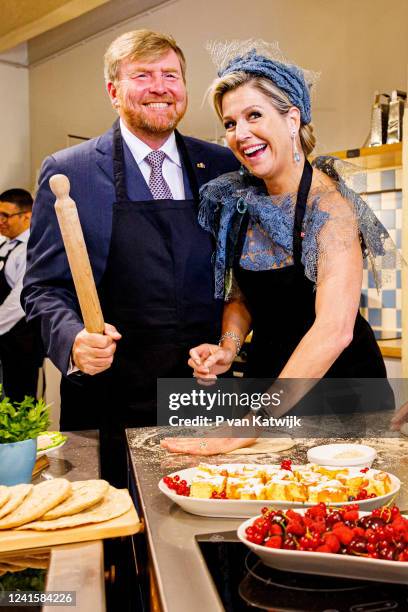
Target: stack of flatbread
{"points": [[19, 561], [58, 504]]}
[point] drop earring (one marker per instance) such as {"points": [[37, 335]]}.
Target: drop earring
{"points": [[243, 171], [296, 156]]}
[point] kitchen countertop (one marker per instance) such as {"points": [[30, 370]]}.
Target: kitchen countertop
{"points": [[77, 459], [182, 577]]}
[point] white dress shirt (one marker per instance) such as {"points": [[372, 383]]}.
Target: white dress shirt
{"points": [[10, 310], [172, 169]]}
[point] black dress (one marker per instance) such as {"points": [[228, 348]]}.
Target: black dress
{"points": [[282, 306]]}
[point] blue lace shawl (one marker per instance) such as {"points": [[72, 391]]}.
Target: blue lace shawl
{"points": [[225, 199]]}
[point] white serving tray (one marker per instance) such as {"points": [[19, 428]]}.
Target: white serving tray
{"points": [[328, 564], [237, 508]]}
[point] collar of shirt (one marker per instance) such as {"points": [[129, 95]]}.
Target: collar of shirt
{"points": [[140, 149], [23, 237]]}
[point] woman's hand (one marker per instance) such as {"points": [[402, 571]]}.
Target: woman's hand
{"points": [[204, 446], [400, 417], [209, 360]]}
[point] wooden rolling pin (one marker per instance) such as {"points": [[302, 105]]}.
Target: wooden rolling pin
{"points": [[77, 254]]}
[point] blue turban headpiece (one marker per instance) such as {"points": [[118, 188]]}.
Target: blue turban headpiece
{"points": [[288, 77]]}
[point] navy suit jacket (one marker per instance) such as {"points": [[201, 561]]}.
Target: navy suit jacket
{"points": [[48, 295]]}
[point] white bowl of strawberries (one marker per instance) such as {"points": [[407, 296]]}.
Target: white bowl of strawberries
{"points": [[342, 542]]}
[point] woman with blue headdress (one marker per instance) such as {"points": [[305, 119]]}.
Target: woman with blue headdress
{"points": [[290, 236]]}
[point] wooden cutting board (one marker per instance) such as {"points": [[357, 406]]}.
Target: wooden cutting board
{"points": [[127, 524]]}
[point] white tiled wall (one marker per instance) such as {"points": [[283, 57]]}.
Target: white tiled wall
{"points": [[382, 192]]}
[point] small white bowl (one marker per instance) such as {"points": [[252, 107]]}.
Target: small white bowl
{"points": [[342, 455]]}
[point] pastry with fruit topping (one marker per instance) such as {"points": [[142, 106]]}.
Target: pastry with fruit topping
{"points": [[285, 490], [353, 483], [379, 484], [252, 489], [245, 471], [331, 472], [236, 484], [329, 491], [204, 486], [308, 483], [271, 471], [212, 470]]}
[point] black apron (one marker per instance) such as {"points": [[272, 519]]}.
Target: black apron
{"points": [[21, 351], [4, 286], [282, 305], [158, 291]]}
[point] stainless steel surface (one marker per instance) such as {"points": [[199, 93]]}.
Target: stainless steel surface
{"points": [[78, 568], [182, 577], [78, 459]]}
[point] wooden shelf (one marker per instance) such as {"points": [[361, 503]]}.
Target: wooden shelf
{"points": [[390, 348], [370, 158]]}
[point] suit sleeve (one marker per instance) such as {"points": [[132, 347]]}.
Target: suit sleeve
{"points": [[227, 161], [48, 296]]}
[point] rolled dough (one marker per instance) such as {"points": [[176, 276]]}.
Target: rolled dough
{"points": [[265, 446]]}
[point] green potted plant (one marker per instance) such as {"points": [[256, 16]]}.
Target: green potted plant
{"points": [[20, 424]]}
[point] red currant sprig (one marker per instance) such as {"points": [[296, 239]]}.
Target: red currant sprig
{"points": [[178, 486], [286, 464], [222, 495]]}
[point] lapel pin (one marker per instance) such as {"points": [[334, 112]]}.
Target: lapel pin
{"points": [[200, 165]]}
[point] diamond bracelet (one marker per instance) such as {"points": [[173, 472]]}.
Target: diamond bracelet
{"points": [[234, 337]]}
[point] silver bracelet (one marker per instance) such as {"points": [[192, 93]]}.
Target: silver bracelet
{"points": [[233, 336]]}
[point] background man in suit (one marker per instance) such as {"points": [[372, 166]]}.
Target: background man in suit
{"points": [[20, 351], [136, 189]]}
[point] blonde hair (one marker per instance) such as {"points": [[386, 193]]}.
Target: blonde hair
{"points": [[277, 97], [139, 44]]}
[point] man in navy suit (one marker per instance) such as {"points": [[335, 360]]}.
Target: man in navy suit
{"points": [[136, 189]]}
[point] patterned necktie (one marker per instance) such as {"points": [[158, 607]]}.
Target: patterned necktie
{"points": [[157, 184]]}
